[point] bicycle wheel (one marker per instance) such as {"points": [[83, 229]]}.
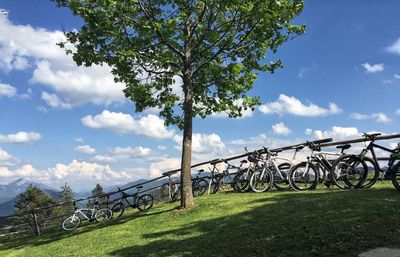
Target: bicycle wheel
{"points": [[396, 176], [242, 180], [71, 223], [215, 184], [303, 176], [282, 182], [144, 202], [118, 209], [349, 172], [199, 187], [103, 215], [261, 180], [372, 174]]}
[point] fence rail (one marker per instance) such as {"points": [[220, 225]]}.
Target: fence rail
{"points": [[38, 225]]}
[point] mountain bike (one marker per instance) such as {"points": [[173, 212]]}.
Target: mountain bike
{"points": [[377, 171], [199, 187], [318, 169], [142, 202], [225, 180], [90, 214], [242, 180]]}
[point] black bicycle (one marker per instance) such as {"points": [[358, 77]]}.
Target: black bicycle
{"points": [[391, 171], [142, 202], [199, 187]]}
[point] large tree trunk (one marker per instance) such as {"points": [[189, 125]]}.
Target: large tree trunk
{"points": [[187, 200]]}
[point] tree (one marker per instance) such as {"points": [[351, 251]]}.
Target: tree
{"points": [[96, 193], [28, 201], [214, 47], [66, 195]]}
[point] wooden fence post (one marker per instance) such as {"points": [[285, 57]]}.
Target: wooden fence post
{"points": [[37, 227]]}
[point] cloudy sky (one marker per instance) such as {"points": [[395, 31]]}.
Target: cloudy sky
{"points": [[63, 123]]}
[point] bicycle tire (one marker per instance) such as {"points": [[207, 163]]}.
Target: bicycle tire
{"points": [[145, 202], [199, 187], [117, 210], [242, 180], [279, 183], [103, 215], [74, 220], [261, 180], [371, 179], [215, 183], [296, 178], [346, 172], [396, 176]]}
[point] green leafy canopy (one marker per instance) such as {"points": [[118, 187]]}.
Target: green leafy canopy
{"points": [[151, 43]]}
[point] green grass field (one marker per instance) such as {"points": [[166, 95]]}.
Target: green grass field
{"points": [[319, 223]]}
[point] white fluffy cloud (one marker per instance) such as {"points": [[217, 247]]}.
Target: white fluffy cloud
{"points": [[55, 102], [129, 152], [79, 85], [337, 133], [378, 117], [163, 165], [202, 143], [86, 149], [373, 68], [20, 137], [291, 105], [281, 129], [308, 131], [395, 47], [6, 159], [22, 47], [7, 90], [104, 159], [396, 76], [150, 125], [245, 113], [24, 171]]}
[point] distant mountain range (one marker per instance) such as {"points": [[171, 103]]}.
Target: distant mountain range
{"points": [[10, 192]]}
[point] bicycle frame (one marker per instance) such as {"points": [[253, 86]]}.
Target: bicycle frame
{"points": [[79, 212], [371, 148], [318, 157]]}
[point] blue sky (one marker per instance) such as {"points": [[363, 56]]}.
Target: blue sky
{"points": [[60, 123]]}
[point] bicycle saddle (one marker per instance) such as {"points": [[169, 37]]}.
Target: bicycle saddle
{"points": [[139, 187], [243, 161], [299, 147], [200, 171], [343, 147]]}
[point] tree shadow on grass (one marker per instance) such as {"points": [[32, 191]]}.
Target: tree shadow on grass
{"points": [[85, 227], [326, 223]]}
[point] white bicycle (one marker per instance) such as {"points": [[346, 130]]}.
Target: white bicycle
{"points": [[274, 171], [90, 214]]}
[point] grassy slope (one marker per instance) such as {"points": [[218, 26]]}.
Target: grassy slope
{"points": [[319, 223]]}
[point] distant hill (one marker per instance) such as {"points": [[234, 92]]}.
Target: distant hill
{"points": [[10, 192]]}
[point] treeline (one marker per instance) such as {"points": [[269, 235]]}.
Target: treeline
{"points": [[29, 208]]}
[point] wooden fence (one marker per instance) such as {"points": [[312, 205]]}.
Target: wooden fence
{"points": [[39, 220]]}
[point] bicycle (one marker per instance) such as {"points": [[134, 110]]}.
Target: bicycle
{"points": [[378, 172], [281, 166], [199, 187], [306, 175], [223, 181], [142, 202], [92, 214], [242, 181]]}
